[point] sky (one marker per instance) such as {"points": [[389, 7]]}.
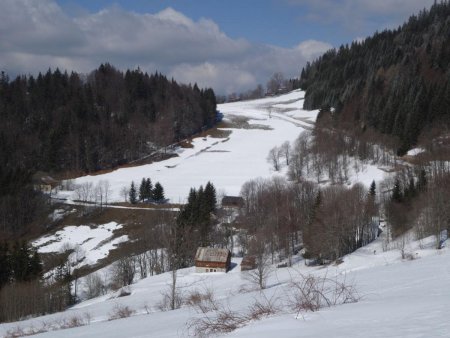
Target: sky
{"points": [[231, 45]]}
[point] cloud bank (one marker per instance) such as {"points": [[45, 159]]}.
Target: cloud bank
{"points": [[37, 35]]}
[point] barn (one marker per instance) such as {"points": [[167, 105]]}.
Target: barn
{"points": [[212, 260]]}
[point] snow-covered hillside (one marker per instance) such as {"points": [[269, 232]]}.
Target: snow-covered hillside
{"points": [[90, 244], [256, 127], [399, 298]]}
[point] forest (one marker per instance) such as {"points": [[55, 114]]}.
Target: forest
{"points": [[396, 82], [73, 123]]}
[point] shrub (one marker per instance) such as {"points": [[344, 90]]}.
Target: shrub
{"points": [[120, 311]]}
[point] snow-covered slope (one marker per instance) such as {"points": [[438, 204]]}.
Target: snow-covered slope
{"points": [[90, 243], [399, 299], [227, 162]]}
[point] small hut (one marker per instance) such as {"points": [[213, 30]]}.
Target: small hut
{"points": [[212, 260], [248, 263]]}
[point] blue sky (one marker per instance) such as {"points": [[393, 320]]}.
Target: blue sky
{"points": [[229, 45]]}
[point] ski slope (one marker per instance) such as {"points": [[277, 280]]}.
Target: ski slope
{"points": [[227, 162], [399, 298]]}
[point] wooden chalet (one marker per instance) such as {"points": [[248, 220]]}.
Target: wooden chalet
{"points": [[212, 260], [232, 202], [44, 183]]}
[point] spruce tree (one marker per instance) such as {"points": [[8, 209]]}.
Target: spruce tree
{"points": [[132, 194], [158, 193], [148, 189], [35, 264], [142, 194], [397, 192], [373, 189], [5, 271], [210, 196]]}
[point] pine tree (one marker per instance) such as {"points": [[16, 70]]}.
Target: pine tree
{"points": [[132, 194], [397, 192], [5, 271], [158, 193], [142, 194], [35, 265], [148, 189], [210, 196], [373, 189]]}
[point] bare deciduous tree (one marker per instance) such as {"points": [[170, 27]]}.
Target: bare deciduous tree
{"points": [[124, 271], [94, 285], [263, 269], [274, 158], [285, 150]]}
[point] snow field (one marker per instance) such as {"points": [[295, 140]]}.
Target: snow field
{"points": [[90, 244], [399, 298], [226, 162]]}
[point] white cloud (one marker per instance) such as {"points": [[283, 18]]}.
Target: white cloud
{"points": [[37, 35], [311, 49]]}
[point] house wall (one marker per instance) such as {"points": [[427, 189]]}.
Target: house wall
{"points": [[201, 266], [201, 269]]}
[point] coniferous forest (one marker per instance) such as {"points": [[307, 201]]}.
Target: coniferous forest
{"points": [[397, 81], [60, 122]]}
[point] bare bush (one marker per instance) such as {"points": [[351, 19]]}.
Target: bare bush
{"points": [[120, 311], [262, 308], [60, 324], [402, 244], [15, 332], [224, 321], [310, 293], [74, 321], [170, 300], [202, 301]]}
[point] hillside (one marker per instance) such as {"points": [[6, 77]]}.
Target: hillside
{"points": [[397, 298], [70, 124], [396, 81], [228, 156]]}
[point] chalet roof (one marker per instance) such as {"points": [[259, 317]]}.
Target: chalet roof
{"points": [[41, 177], [212, 255], [234, 201]]}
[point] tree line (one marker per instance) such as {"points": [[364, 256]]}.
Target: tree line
{"points": [[146, 192], [395, 81], [60, 122], [23, 289]]}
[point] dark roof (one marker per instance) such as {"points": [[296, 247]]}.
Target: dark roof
{"points": [[41, 177], [212, 255], [232, 201], [248, 263]]}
